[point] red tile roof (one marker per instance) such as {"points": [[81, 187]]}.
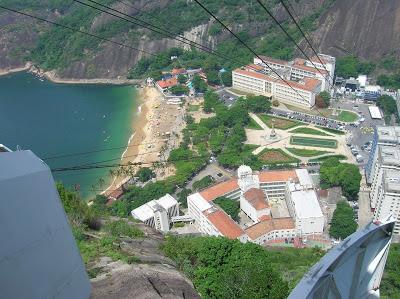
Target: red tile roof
{"points": [[167, 83], [224, 224], [257, 230], [178, 71], [273, 60], [309, 68], [309, 84], [277, 176], [256, 198], [220, 189]]}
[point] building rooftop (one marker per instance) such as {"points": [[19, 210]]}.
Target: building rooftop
{"points": [[389, 155], [220, 189], [375, 112], [308, 84], [309, 68], [304, 178], [200, 201], [223, 223], [391, 178], [256, 198], [146, 211], [178, 71], [305, 203], [274, 60], [167, 83], [261, 228], [277, 176], [388, 134]]}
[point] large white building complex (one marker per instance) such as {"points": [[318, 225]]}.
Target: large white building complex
{"points": [[157, 213], [303, 80], [383, 173], [263, 198]]}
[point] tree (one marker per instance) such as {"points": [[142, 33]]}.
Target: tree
{"points": [[182, 197], [230, 206], [179, 90], [326, 97], [343, 223], [258, 104], [388, 105], [198, 84], [145, 174], [275, 103], [347, 176], [203, 183], [212, 77], [182, 79], [211, 100], [226, 78], [319, 101]]}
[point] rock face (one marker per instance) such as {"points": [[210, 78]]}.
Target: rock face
{"points": [[369, 29], [152, 276]]}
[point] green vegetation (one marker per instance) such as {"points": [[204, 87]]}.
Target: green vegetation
{"points": [[222, 268], [322, 100], [390, 285], [254, 125], [347, 116], [193, 108], [179, 90], [121, 228], [203, 183], [182, 79], [230, 206], [322, 159], [145, 174], [276, 156], [343, 223], [258, 104], [389, 107], [279, 123], [308, 131], [182, 197], [334, 131], [317, 142], [390, 81], [305, 152], [347, 176], [198, 84], [351, 66], [226, 78], [86, 224]]}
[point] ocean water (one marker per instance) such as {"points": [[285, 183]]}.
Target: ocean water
{"points": [[55, 120]]}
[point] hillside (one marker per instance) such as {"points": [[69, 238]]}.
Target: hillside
{"points": [[74, 55]]}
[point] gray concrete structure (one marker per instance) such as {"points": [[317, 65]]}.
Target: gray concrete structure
{"points": [[38, 254], [353, 269]]}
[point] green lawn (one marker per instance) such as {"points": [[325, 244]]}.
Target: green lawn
{"points": [[276, 156], [305, 152], [347, 116], [322, 159], [253, 125], [279, 123], [308, 131], [308, 141], [333, 131], [194, 108]]}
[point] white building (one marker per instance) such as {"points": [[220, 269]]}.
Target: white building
{"points": [[254, 204], [301, 93], [157, 213], [254, 192], [304, 208]]}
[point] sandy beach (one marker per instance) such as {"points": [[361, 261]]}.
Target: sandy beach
{"points": [[4, 72], [156, 131]]}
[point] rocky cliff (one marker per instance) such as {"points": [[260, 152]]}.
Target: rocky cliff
{"points": [[367, 28]]}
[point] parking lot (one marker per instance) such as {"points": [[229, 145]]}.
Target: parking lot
{"points": [[363, 132]]}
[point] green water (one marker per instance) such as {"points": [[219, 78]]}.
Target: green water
{"points": [[56, 119]]}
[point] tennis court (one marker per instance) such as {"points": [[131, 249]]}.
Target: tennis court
{"points": [[318, 142]]}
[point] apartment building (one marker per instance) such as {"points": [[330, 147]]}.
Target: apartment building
{"points": [[256, 192], [157, 213], [304, 208], [301, 93]]}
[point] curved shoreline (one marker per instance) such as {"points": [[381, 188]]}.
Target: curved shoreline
{"points": [[53, 77]]}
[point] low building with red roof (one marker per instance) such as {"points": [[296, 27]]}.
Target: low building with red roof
{"points": [[271, 229], [163, 85], [254, 204]]}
